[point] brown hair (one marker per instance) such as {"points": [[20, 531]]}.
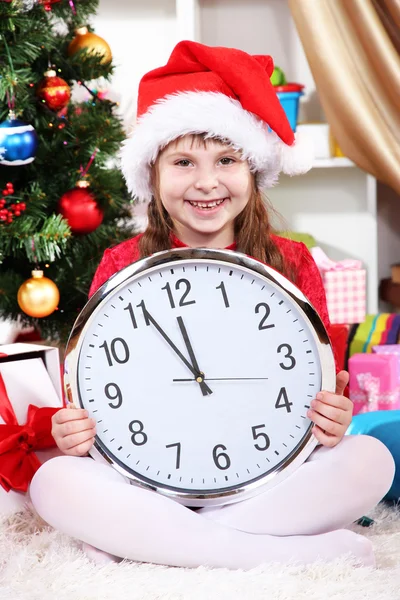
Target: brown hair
{"points": [[252, 227]]}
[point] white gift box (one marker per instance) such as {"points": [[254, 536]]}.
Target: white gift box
{"points": [[31, 375], [48, 355], [318, 134]]}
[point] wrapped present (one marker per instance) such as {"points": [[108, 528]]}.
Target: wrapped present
{"points": [[345, 287], [373, 382], [376, 330], [390, 349], [30, 393]]}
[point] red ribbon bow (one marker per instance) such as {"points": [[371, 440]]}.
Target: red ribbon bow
{"points": [[18, 462]]}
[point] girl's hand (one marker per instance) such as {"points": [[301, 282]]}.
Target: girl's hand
{"points": [[331, 413], [73, 431]]}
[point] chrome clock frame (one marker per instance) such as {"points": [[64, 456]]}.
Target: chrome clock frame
{"points": [[170, 257]]}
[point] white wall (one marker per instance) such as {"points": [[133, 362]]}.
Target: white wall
{"points": [[142, 35]]}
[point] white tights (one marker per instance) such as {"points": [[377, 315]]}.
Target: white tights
{"points": [[301, 519]]}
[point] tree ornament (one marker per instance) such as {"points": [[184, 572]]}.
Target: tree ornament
{"points": [[10, 207], [92, 42], [47, 3], [38, 296], [53, 91], [80, 208], [18, 142]]}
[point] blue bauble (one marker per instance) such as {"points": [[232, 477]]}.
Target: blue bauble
{"points": [[18, 143]]}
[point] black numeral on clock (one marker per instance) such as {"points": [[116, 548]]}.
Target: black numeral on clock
{"points": [[178, 453], [263, 306], [113, 392], [283, 400], [221, 456], [224, 294], [263, 436], [118, 351], [131, 312], [182, 301], [139, 437], [288, 355]]}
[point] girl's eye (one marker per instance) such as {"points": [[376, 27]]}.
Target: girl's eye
{"points": [[225, 160], [183, 163]]}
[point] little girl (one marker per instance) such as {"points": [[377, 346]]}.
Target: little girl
{"points": [[211, 135]]}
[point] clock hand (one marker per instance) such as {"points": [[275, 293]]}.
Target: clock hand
{"points": [[203, 386], [191, 368], [225, 379]]}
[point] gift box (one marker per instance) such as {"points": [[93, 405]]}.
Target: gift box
{"points": [[345, 287], [30, 393], [390, 349], [318, 134], [374, 383]]}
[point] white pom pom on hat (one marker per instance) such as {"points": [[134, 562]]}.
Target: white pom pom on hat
{"points": [[222, 93]]}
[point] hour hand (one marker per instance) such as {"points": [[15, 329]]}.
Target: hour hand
{"points": [[190, 366], [200, 378]]}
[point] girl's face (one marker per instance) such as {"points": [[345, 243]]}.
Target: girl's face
{"points": [[203, 186]]}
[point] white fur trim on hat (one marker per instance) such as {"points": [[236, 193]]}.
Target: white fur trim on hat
{"points": [[216, 115]]}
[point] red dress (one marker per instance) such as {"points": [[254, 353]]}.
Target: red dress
{"points": [[308, 278]]}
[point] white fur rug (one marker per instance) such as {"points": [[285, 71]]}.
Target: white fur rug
{"points": [[37, 563]]}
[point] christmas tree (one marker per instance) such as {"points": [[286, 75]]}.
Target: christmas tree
{"points": [[62, 197]]}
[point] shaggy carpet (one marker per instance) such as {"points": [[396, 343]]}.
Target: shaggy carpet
{"points": [[38, 563]]}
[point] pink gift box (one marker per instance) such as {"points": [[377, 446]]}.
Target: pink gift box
{"points": [[373, 382], [390, 349], [346, 295]]}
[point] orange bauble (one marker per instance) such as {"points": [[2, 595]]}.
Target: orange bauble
{"points": [[80, 208], [38, 296], [54, 91], [94, 44]]}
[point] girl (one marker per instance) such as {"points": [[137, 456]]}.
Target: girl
{"points": [[211, 135]]}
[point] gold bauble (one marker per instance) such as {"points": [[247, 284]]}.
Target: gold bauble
{"points": [[94, 43], [38, 296]]}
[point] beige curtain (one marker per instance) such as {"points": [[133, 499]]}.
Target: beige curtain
{"points": [[353, 48]]}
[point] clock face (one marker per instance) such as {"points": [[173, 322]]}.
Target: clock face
{"points": [[199, 373]]}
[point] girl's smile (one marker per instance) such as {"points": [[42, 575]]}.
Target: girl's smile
{"points": [[209, 206], [204, 185]]}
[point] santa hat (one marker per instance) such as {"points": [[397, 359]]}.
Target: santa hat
{"points": [[222, 93]]}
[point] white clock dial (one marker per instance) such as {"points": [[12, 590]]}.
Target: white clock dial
{"points": [[199, 374]]}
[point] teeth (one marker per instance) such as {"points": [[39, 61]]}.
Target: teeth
{"points": [[206, 205]]}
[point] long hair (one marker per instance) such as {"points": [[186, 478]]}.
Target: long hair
{"points": [[252, 228]]}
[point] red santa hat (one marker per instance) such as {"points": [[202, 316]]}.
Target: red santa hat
{"points": [[220, 92]]}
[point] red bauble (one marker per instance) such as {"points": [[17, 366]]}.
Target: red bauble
{"points": [[47, 3], [81, 210], [54, 91]]}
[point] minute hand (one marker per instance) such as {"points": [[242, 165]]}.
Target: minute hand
{"points": [[171, 343], [203, 386]]}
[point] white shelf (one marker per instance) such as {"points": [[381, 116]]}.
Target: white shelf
{"points": [[334, 162]]}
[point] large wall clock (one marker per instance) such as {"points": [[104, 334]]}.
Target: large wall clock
{"points": [[199, 366]]}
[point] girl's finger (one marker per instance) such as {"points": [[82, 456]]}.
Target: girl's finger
{"points": [[326, 424], [65, 414], [325, 438], [337, 415], [74, 427], [71, 441], [335, 400], [342, 379]]}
